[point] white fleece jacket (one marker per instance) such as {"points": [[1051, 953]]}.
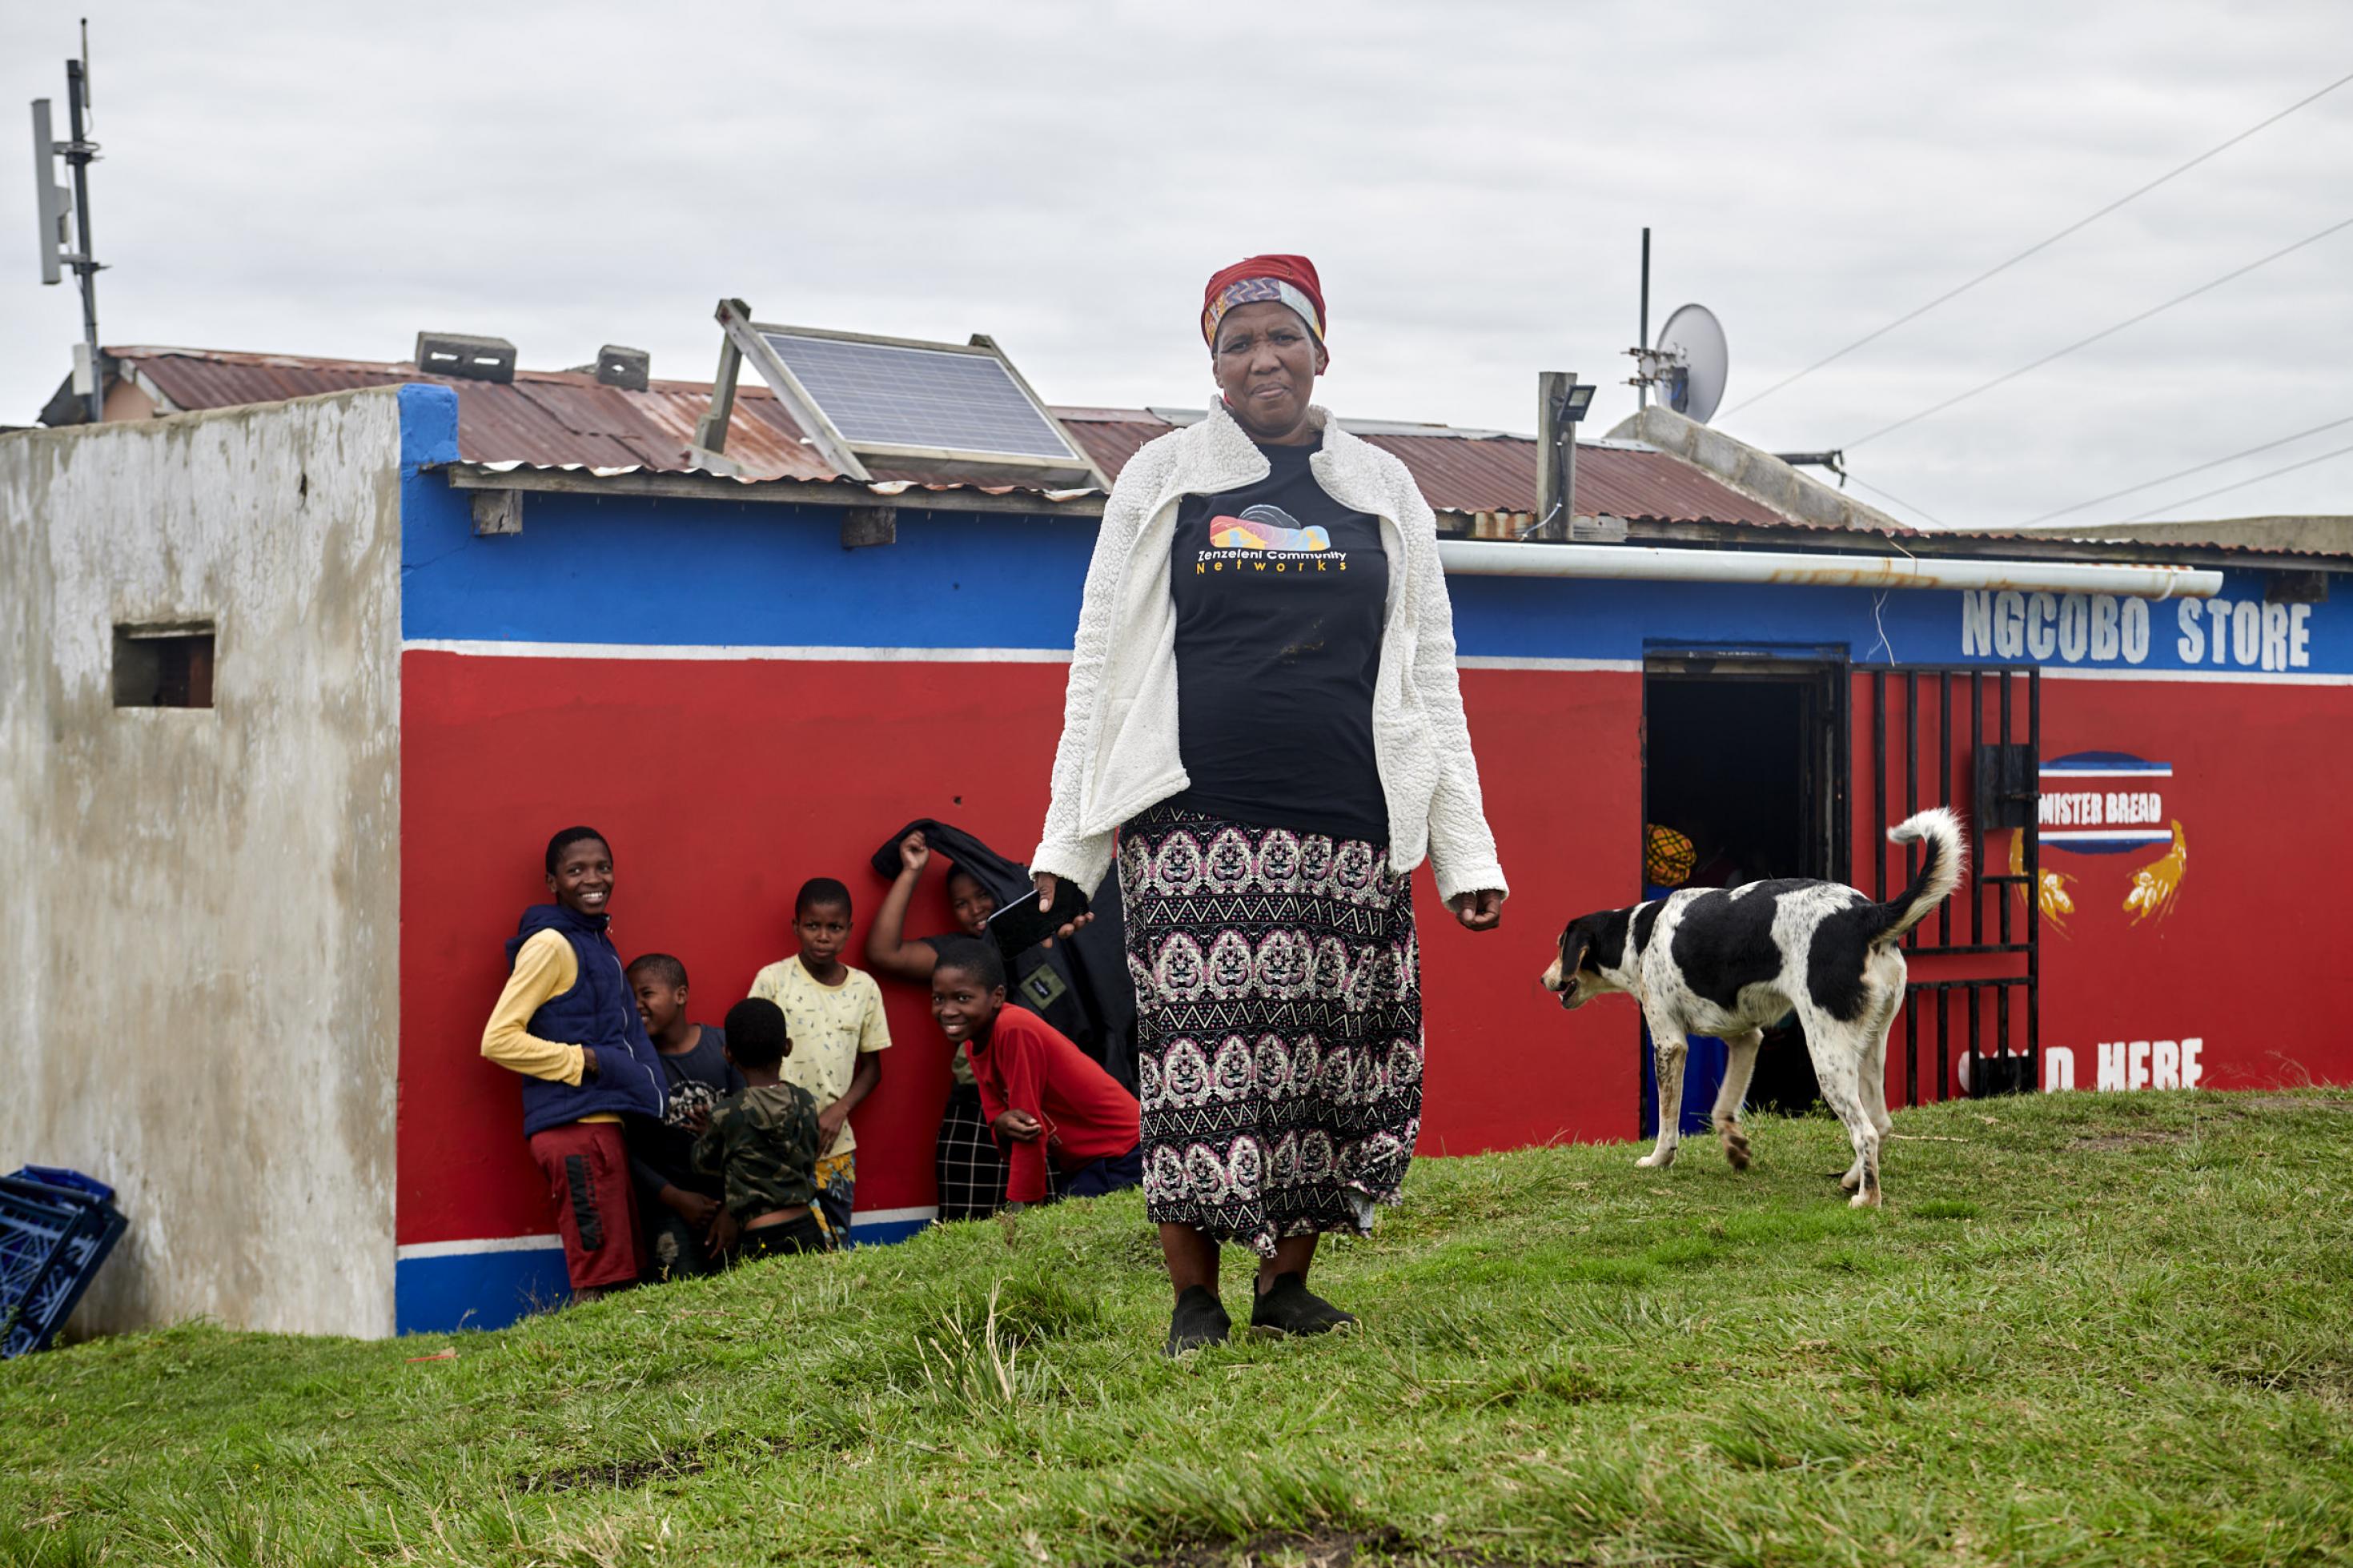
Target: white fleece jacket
{"points": [[1119, 754]]}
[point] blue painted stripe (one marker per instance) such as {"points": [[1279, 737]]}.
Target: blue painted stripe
{"points": [[476, 1290], [492, 1289], [645, 570], [639, 571]]}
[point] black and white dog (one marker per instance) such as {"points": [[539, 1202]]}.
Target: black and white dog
{"points": [[1728, 961]]}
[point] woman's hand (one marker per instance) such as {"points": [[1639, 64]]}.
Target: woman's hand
{"points": [[1048, 885], [913, 853], [1482, 910]]}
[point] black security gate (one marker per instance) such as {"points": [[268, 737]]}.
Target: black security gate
{"points": [[1970, 737]]}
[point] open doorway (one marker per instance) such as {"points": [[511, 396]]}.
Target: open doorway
{"points": [[1747, 759]]}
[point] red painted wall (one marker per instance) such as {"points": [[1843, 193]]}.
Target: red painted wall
{"points": [[1560, 763], [724, 786], [2251, 957]]}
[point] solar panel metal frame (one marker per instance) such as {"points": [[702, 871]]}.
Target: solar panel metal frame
{"points": [[751, 338]]}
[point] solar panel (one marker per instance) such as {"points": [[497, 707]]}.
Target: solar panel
{"points": [[895, 394]]}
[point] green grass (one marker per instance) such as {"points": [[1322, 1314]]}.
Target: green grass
{"points": [[2086, 1330]]}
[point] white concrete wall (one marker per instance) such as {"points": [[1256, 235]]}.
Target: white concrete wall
{"points": [[199, 908]]}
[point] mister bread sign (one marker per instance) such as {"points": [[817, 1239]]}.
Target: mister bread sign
{"points": [[2103, 802], [2106, 803]]}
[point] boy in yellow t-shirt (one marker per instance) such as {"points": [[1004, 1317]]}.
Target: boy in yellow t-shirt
{"points": [[834, 1013]]}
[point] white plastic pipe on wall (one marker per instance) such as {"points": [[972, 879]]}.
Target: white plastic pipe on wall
{"points": [[1651, 564]]}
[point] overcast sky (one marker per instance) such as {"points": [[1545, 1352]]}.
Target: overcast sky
{"points": [[1471, 179]]}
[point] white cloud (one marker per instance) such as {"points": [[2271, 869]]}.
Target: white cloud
{"points": [[1471, 179]]}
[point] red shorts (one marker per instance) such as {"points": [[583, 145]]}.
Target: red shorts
{"points": [[587, 1164]]}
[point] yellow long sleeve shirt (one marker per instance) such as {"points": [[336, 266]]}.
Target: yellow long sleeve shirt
{"points": [[544, 968]]}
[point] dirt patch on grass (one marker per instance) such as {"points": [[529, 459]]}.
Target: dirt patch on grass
{"points": [[2127, 1140], [1328, 1548], [1324, 1549], [621, 1475]]}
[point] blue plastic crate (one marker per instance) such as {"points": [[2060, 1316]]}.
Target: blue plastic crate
{"points": [[72, 1181], [55, 1229]]}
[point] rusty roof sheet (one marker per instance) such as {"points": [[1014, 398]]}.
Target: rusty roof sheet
{"points": [[567, 419], [543, 419], [1489, 473]]}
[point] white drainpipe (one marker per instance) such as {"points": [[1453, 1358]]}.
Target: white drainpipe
{"points": [[1500, 558]]}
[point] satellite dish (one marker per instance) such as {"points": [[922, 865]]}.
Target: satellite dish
{"points": [[1690, 363]]}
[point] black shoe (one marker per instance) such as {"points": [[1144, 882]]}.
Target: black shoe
{"points": [[1199, 1319], [1291, 1308]]}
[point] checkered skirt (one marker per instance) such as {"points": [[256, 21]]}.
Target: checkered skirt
{"points": [[1278, 1044], [972, 1169]]}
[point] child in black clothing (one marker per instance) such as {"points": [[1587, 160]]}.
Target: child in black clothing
{"points": [[689, 1231], [763, 1143]]}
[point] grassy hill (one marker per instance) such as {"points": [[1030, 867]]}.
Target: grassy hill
{"points": [[2087, 1330]]}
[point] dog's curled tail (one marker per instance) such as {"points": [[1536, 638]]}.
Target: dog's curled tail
{"points": [[1948, 862]]}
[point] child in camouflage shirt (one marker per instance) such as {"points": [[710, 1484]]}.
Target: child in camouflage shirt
{"points": [[763, 1143]]}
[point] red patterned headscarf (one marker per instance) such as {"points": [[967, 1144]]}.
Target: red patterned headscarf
{"points": [[1285, 279]]}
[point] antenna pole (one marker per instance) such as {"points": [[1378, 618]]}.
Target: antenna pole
{"points": [[78, 152], [1642, 339]]}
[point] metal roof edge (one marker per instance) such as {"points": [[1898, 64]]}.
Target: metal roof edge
{"points": [[1655, 533], [702, 484], [1356, 426]]}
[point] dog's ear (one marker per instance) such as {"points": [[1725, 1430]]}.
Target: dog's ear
{"points": [[1574, 945]]}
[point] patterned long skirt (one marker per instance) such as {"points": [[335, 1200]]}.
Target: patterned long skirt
{"points": [[1278, 991]]}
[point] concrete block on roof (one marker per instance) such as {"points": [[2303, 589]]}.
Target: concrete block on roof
{"points": [[1821, 506], [1717, 452], [627, 368], [464, 355], [1752, 472]]}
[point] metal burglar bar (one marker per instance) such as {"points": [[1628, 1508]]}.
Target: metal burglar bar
{"points": [[1978, 761]]}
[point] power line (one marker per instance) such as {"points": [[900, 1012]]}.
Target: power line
{"points": [[2241, 484], [2183, 473], [2042, 245], [2102, 333], [1899, 501]]}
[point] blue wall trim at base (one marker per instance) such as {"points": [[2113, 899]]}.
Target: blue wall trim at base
{"points": [[493, 1289], [476, 1290]]}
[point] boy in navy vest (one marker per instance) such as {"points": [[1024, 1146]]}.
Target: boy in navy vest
{"points": [[568, 1022]]}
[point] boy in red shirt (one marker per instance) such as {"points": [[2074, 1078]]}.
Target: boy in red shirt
{"points": [[1049, 1101]]}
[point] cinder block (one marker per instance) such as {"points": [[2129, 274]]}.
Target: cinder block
{"points": [[467, 358], [626, 368]]}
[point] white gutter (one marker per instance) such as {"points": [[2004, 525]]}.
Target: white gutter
{"points": [[1651, 564]]}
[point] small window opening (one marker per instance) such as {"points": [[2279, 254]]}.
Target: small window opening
{"points": [[163, 666]]}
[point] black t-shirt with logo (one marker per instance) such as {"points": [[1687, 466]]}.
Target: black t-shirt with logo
{"points": [[1279, 594]]}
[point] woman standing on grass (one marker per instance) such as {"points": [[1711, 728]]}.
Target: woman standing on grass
{"points": [[1262, 707]]}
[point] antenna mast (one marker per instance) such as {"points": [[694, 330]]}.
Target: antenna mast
{"points": [[1642, 339], [53, 202]]}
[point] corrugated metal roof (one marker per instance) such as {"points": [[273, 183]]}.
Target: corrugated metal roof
{"points": [[543, 419], [1489, 472], [558, 419]]}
